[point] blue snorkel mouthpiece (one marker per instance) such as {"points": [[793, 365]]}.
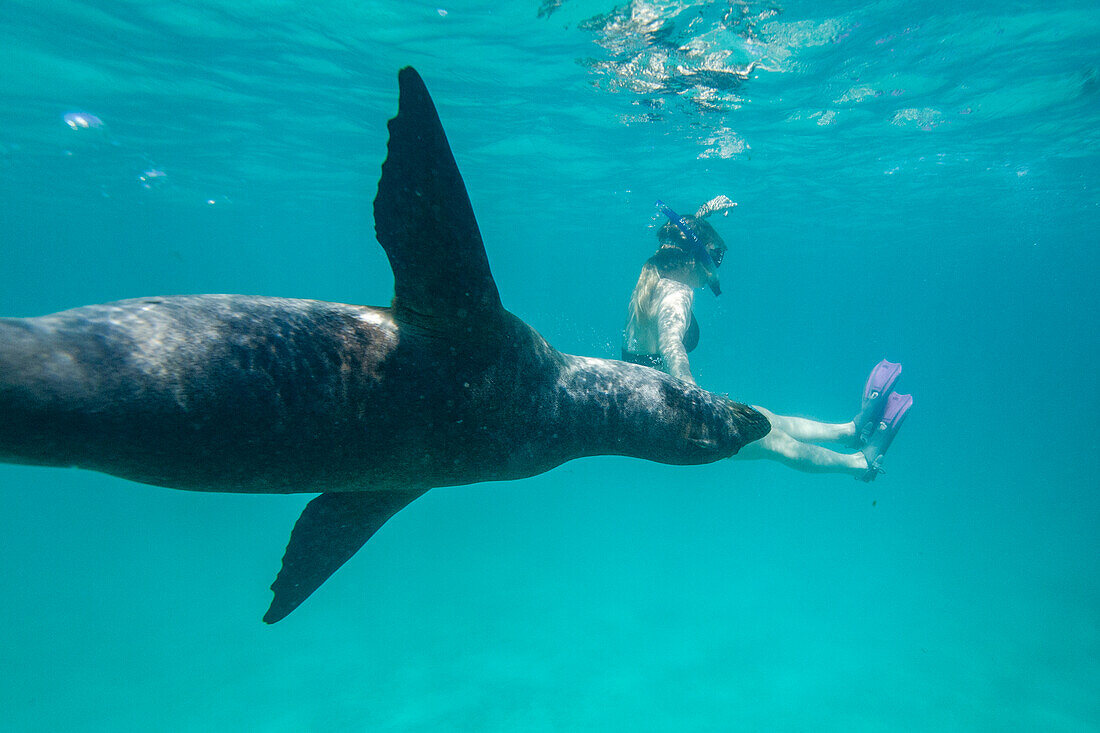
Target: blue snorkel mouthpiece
{"points": [[699, 250]]}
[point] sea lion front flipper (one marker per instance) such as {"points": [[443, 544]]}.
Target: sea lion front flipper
{"points": [[331, 529], [424, 221]]}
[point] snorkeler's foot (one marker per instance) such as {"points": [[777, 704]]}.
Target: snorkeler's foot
{"points": [[878, 386], [897, 408]]}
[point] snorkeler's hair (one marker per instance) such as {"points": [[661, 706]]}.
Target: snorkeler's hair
{"points": [[669, 258]]}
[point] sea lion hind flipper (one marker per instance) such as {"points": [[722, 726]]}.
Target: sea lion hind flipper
{"points": [[330, 530], [424, 221]]}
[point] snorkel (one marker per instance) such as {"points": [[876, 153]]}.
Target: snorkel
{"points": [[699, 250]]}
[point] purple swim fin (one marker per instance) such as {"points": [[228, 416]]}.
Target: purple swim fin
{"points": [[897, 408], [878, 386]]}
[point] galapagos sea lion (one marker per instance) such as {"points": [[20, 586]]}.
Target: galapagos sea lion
{"points": [[368, 406]]}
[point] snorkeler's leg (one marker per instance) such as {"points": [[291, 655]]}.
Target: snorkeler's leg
{"points": [[812, 431], [780, 446]]}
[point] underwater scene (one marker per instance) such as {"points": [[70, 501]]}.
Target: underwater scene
{"points": [[915, 182]]}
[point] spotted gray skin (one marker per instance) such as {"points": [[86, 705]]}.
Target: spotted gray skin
{"points": [[370, 407]]}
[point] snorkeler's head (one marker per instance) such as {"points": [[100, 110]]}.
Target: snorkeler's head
{"points": [[698, 249], [670, 235]]}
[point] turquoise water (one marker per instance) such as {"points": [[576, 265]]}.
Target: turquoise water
{"points": [[915, 182]]}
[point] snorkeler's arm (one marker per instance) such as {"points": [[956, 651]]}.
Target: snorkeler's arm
{"points": [[673, 317]]}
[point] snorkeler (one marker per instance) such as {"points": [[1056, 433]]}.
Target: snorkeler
{"points": [[661, 330]]}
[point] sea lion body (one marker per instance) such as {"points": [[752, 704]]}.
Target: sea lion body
{"points": [[275, 395]]}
